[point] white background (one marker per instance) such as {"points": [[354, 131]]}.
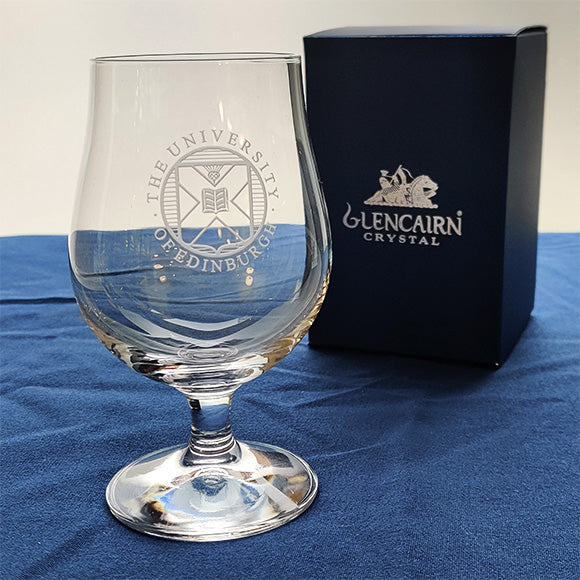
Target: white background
{"points": [[45, 46]]}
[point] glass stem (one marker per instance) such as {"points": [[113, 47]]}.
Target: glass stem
{"points": [[211, 433]]}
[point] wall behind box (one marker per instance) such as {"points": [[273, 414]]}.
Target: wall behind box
{"points": [[44, 76]]}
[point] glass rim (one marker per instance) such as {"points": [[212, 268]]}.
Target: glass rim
{"points": [[200, 57]]}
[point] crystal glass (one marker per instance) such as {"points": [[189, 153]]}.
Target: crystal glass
{"points": [[200, 256]]}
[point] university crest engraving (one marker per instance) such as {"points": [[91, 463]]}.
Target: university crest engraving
{"points": [[214, 202]]}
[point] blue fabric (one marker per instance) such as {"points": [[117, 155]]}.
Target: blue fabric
{"points": [[427, 470]]}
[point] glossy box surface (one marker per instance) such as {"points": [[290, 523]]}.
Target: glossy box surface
{"points": [[428, 144]]}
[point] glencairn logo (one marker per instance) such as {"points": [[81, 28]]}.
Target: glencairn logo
{"points": [[402, 190], [214, 201]]}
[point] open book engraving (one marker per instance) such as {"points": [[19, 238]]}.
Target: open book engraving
{"points": [[214, 200]]}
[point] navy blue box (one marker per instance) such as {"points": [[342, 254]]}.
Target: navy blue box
{"points": [[428, 144]]}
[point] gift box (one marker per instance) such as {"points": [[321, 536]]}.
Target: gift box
{"points": [[428, 145]]}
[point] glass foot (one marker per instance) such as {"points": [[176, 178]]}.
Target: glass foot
{"points": [[171, 495]]}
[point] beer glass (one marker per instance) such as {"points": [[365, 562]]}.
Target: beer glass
{"points": [[200, 255]]}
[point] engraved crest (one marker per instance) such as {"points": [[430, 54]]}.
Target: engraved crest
{"points": [[401, 189], [214, 202]]}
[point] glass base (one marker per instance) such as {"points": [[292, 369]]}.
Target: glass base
{"points": [[171, 495]]}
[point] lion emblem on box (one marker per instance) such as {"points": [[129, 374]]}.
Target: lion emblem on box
{"points": [[401, 189]]}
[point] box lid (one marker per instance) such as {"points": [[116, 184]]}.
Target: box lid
{"points": [[387, 31]]}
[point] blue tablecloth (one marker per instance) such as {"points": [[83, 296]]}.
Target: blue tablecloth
{"points": [[427, 470]]}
